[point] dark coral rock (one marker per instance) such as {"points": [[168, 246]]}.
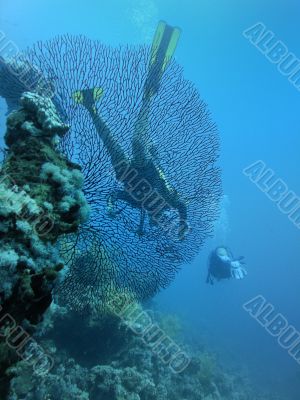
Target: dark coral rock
{"points": [[35, 211]]}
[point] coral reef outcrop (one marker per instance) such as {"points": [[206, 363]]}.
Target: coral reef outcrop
{"points": [[106, 360], [41, 199]]}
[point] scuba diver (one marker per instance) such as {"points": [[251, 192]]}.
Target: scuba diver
{"points": [[222, 265], [142, 167]]}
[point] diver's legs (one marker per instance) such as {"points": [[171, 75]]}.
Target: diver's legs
{"points": [[115, 151], [140, 149], [88, 99], [162, 50]]}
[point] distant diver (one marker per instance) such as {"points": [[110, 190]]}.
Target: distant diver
{"points": [[141, 169], [222, 265]]}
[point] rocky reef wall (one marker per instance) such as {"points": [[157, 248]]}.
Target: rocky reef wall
{"points": [[41, 200]]}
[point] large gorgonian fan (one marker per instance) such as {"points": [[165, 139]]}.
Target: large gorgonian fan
{"points": [[112, 251]]}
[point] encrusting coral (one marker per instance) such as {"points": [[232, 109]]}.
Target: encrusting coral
{"points": [[110, 362], [41, 199]]}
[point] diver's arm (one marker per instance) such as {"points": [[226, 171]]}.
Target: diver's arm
{"points": [[237, 271]]}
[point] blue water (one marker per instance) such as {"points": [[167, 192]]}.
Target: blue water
{"points": [[257, 113]]}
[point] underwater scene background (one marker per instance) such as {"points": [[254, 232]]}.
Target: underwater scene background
{"points": [[239, 337]]}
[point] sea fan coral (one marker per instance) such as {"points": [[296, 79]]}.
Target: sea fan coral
{"points": [[181, 140]]}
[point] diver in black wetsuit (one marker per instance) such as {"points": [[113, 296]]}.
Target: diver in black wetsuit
{"points": [[222, 265], [141, 169]]}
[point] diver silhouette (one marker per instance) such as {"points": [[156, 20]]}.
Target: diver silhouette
{"points": [[223, 265], [145, 185]]}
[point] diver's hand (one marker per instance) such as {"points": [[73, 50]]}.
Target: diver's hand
{"points": [[237, 271]]}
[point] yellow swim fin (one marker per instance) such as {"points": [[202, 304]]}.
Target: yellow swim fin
{"points": [[164, 45], [162, 50], [88, 97], [97, 94], [173, 42], [157, 41], [78, 97]]}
